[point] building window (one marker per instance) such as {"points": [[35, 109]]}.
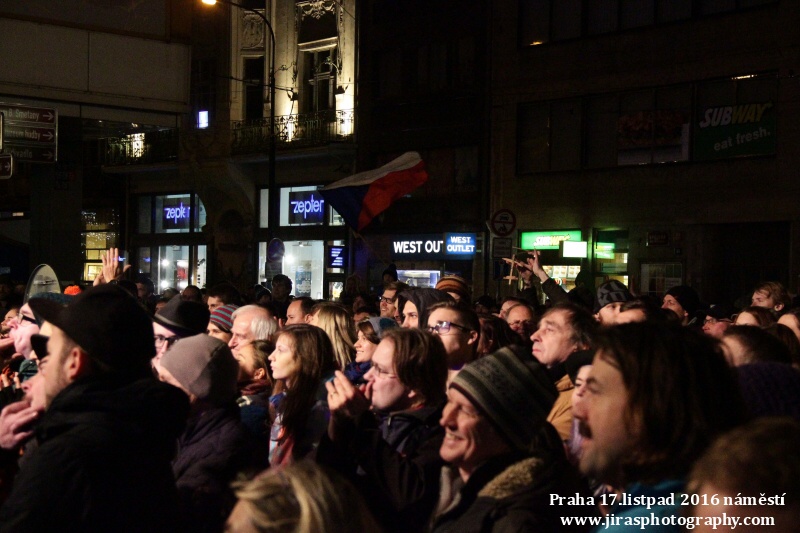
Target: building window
{"points": [[253, 70], [549, 136], [99, 233], [304, 206], [319, 80], [544, 21], [170, 213]]}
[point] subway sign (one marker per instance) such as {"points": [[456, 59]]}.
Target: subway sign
{"points": [[547, 240], [435, 246]]}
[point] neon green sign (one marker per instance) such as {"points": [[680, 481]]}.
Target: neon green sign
{"points": [[547, 240]]}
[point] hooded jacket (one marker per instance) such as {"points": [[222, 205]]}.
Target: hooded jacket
{"points": [[103, 461]]}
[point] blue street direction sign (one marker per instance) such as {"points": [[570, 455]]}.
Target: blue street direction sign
{"points": [[6, 166], [30, 133]]}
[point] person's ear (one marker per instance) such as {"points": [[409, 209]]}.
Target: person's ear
{"points": [[77, 363], [473, 337], [260, 373]]}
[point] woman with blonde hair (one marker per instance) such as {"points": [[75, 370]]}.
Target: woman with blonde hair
{"points": [[338, 324], [300, 498]]}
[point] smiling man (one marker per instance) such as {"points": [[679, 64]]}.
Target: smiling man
{"points": [[657, 395], [506, 461]]}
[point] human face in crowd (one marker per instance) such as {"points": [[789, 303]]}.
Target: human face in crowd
{"points": [[672, 304], [388, 393], [762, 299], [553, 342], [459, 342], [22, 327], [579, 393], [410, 315], [281, 290], [388, 303], [791, 322], [609, 314], [214, 331], [469, 438], [746, 319], [141, 291], [715, 327], [364, 348], [53, 366], [608, 436], [246, 358], [508, 304], [214, 302], [163, 339], [283, 361], [5, 327], [35, 392], [240, 332], [295, 314], [518, 317]]}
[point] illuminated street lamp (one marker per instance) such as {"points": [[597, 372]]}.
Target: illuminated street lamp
{"points": [[273, 194]]}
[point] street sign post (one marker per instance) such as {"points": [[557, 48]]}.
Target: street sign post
{"points": [[29, 133], [6, 166]]}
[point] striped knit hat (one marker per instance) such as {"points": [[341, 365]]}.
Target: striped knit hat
{"points": [[515, 394], [221, 317]]}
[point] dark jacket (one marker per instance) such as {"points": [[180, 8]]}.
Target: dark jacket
{"points": [[103, 461], [511, 493], [215, 447], [395, 463]]}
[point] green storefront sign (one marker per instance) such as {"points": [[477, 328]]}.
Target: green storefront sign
{"points": [[735, 130], [547, 240]]}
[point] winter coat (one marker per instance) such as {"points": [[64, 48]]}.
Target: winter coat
{"points": [[253, 403], [512, 493], [395, 463], [215, 447], [288, 449], [561, 413], [103, 461]]}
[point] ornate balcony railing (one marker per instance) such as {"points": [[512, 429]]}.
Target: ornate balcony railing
{"points": [[304, 129], [137, 149]]}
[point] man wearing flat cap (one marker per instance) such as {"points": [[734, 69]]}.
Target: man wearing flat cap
{"points": [[107, 435]]}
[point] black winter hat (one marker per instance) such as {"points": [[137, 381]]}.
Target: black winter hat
{"points": [[182, 317], [108, 323]]}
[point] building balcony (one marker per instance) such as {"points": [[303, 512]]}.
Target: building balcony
{"points": [[149, 148], [293, 131]]}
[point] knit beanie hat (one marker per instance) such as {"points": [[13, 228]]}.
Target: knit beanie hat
{"points": [[183, 317], [455, 284], [205, 367], [515, 394], [609, 292], [686, 296], [381, 324], [221, 317]]}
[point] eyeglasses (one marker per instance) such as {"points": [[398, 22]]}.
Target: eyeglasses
{"points": [[384, 299], [381, 373], [161, 339], [442, 327]]}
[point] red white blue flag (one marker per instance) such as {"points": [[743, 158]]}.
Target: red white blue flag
{"points": [[363, 196]]}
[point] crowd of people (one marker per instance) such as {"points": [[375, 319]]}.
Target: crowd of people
{"points": [[418, 409]]}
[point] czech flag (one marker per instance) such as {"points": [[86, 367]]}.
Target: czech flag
{"points": [[363, 196]]}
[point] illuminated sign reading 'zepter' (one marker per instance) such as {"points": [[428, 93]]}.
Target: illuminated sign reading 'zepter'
{"points": [[177, 215], [306, 208], [433, 246]]}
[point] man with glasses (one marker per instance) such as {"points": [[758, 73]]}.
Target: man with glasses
{"points": [[386, 439], [717, 321], [459, 328], [179, 318], [388, 300], [108, 431]]}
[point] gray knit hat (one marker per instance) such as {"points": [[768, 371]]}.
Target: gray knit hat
{"points": [[610, 292], [515, 394], [205, 367]]}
